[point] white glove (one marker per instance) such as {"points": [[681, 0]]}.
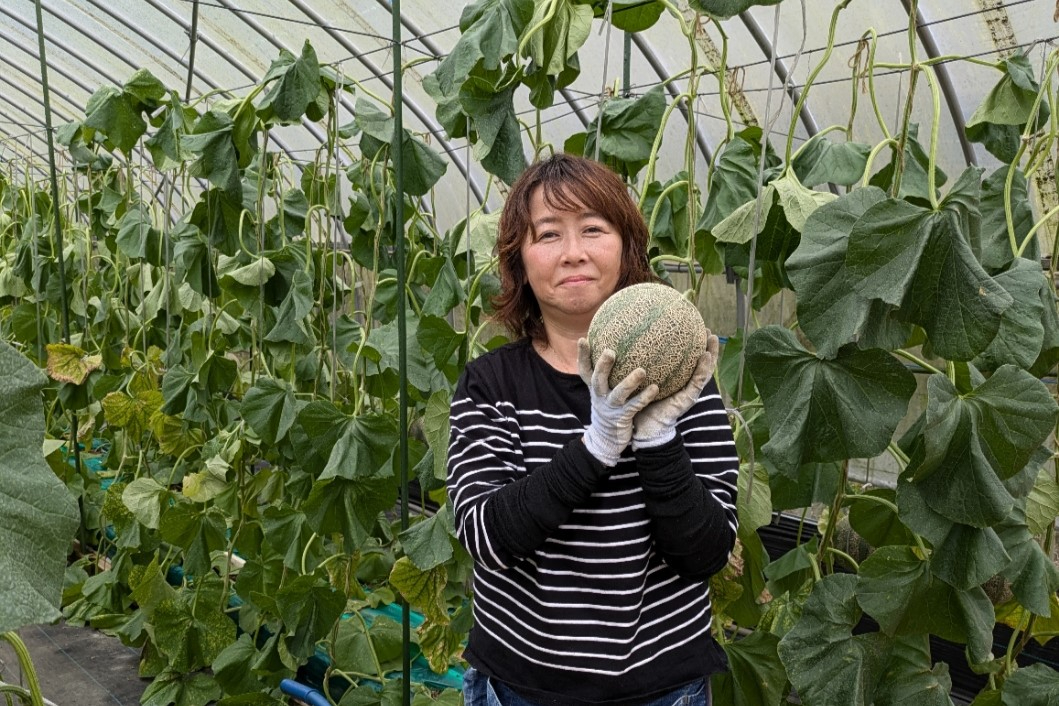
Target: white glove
{"points": [[657, 423], [612, 410]]}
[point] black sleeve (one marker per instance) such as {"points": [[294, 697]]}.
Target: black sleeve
{"points": [[690, 489], [502, 512]]}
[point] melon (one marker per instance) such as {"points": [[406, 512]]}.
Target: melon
{"points": [[650, 326]]}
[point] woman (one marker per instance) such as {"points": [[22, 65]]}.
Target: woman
{"points": [[595, 517]]}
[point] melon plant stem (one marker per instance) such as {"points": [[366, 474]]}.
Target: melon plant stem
{"points": [[25, 663]]}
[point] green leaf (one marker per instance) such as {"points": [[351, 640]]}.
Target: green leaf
{"points": [[423, 167], [489, 32], [349, 507], [876, 523], [164, 145], [144, 497], [964, 556], [738, 226], [309, 607], [138, 238], [627, 127], [197, 530], [1021, 334], [292, 319], [424, 590], [428, 543], [495, 123], [363, 449], [909, 679], [191, 637], [566, 26], [269, 407], [297, 84], [995, 244], [68, 363], [815, 483], [821, 161], [1036, 685], [734, 183], [798, 202], [383, 345], [1034, 578], [145, 88], [40, 516], [173, 687], [117, 115], [211, 138], [1010, 102], [925, 265], [756, 676], [831, 311], [891, 586], [975, 440], [723, 9], [636, 15], [357, 646], [1042, 505], [287, 531], [754, 499], [668, 217], [207, 484], [827, 664], [825, 410]]}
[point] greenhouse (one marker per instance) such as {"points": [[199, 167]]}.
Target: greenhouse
{"points": [[300, 401]]}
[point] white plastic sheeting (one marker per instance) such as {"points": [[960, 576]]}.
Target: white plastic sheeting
{"points": [[95, 42]]}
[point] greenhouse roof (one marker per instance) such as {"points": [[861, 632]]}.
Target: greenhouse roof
{"points": [[92, 43]]}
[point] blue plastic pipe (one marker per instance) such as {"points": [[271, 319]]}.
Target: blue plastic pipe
{"points": [[303, 693]]}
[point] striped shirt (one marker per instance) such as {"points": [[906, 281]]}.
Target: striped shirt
{"points": [[590, 583]]}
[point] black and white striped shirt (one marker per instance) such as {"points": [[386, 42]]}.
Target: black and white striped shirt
{"points": [[590, 583]]}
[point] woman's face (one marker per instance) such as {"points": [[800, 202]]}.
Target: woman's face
{"points": [[572, 261]]}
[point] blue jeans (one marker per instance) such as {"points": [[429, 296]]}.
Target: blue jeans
{"points": [[480, 690]]}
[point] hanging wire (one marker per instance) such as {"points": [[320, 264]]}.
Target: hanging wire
{"points": [[603, 88]]}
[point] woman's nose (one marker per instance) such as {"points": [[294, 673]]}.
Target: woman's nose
{"points": [[573, 248]]}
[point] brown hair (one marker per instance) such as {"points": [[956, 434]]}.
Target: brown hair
{"points": [[568, 182]]}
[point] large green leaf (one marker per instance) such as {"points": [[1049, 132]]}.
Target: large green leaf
{"points": [[963, 556], [269, 408], [891, 586], [831, 311], [40, 516], [1036, 685], [424, 590], [363, 448], [828, 665], [496, 126], [825, 410], [636, 15], [210, 139], [363, 648], [974, 441], [821, 161], [1011, 99], [627, 129], [1021, 334], [309, 607], [116, 114], [734, 182], [756, 676], [910, 679], [293, 323], [996, 251], [920, 260], [297, 84], [428, 543], [1034, 578], [349, 507], [489, 32], [723, 9], [566, 26]]}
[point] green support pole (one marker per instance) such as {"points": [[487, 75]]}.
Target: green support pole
{"points": [[402, 350], [191, 50], [65, 308]]}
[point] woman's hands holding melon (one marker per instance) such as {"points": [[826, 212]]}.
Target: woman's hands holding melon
{"points": [[657, 423], [613, 410]]}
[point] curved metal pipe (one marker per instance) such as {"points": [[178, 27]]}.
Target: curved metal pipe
{"points": [[660, 69], [952, 101]]}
